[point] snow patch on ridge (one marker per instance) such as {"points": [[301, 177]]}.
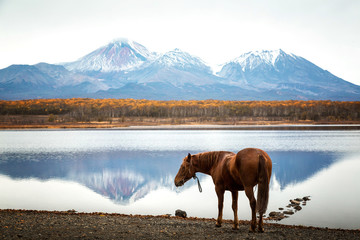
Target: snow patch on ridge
{"points": [[251, 60], [119, 55], [177, 57]]}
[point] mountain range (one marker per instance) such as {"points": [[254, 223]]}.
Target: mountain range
{"points": [[127, 69]]}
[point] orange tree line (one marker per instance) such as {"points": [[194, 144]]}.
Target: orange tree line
{"points": [[85, 108]]}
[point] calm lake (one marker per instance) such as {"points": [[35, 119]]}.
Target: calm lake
{"points": [[132, 172]]}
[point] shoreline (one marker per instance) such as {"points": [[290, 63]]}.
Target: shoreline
{"points": [[248, 127], [251, 127], [32, 224]]}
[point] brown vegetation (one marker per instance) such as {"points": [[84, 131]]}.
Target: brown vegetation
{"points": [[122, 112]]}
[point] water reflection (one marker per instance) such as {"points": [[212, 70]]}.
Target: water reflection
{"points": [[133, 172], [126, 176], [90, 186], [294, 167], [119, 175], [335, 196]]}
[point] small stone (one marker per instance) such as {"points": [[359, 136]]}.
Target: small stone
{"points": [[281, 208], [288, 212], [276, 216], [299, 199], [298, 208], [180, 213], [295, 202], [307, 198], [273, 214]]}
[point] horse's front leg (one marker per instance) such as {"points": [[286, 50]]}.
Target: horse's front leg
{"points": [[234, 195], [220, 194]]}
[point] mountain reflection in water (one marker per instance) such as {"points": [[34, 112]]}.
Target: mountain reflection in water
{"points": [[132, 172], [127, 176]]}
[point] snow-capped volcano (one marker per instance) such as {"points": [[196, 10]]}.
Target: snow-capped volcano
{"points": [[175, 68], [182, 60], [283, 74], [249, 69], [119, 55], [126, 69], [252, 60]]}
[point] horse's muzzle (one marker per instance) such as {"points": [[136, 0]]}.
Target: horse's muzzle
{"points": [[179, 183]]}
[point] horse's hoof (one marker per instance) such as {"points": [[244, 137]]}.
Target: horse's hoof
{"points": [[235, 227], [252, 229], [217, 225], [261, 229]]}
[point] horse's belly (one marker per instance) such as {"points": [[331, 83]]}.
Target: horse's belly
{"points": [[234, 187]]}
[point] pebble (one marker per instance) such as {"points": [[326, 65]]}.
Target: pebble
{"points": [[277, 216], [273, 214], [180, 213], [298, 208], [307, 198], [294, 204], [288, 212]]}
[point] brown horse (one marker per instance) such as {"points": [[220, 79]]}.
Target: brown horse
{"points": [[233, 172]]}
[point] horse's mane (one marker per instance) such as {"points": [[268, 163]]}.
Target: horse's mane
{"points": [[208, 159]]}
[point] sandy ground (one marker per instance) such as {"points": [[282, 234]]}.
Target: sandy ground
{"points": [[21, 224]]}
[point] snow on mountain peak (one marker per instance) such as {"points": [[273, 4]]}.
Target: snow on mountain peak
{"points": [[253, 59], [123, 54], [140, 49], [119, 55], [179, 58], [121, 40]]}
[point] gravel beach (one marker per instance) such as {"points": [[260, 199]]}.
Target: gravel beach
{"points": [[24, 224]]}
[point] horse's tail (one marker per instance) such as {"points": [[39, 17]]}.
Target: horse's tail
{"points": [[263, 187]]}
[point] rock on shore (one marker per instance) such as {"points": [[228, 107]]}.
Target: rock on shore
{"points": [[294, 205]]}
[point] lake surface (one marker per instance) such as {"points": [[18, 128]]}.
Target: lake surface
{"points": [[132, 172]]}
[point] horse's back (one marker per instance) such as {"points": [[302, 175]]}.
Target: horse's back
{"points": [[251, 156], [247, 164]]}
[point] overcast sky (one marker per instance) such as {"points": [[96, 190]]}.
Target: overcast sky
{"points": [[326, 32]]}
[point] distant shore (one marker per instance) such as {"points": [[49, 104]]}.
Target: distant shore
{"points": [[26, 224], [246, 127], [212, 126]]}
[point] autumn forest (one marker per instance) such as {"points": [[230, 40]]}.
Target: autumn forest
{"points": [[42, 111]]}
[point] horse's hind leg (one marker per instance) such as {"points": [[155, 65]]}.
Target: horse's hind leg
{"points": [[234, 195], [260, 226], [220, 194], [250, 194]]}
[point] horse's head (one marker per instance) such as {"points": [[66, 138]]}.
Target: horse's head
{"points": [[185, 172]]}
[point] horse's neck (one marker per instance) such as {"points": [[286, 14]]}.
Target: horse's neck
{"points": [[207, 161]]}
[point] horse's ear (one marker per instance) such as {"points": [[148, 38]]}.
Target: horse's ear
{"points": [[188, 157]]}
